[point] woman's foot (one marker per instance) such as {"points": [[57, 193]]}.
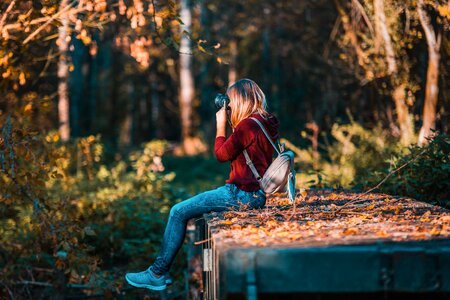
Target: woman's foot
{"points": [[147, 279], [169, 280]]}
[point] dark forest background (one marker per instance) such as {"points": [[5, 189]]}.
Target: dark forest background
{"points": [[107, 117]]}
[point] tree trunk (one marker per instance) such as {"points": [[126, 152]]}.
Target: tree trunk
{"points": [[155, 103], [63, 74], [382, 31], [404, 118], [399, 95], [191, 144], [351, 33], [232, 72], [206, 80], [93, 92], [186, 78], [432, 87]]}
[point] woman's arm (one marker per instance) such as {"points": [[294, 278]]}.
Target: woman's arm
{"points": [[229, 148], [221, 121]]}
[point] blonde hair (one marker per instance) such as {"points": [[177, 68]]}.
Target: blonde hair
{"points": [[246, 98]]}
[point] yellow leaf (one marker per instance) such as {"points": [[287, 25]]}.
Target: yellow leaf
{"points": [[27, 108], [435, 231], [370, 207], [22, 79], [350, 231], [6, 74]]}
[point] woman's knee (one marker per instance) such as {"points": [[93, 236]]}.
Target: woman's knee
{"points": [[177, 211]]}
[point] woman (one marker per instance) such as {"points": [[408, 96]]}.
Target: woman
{"points": [[246, 100]]}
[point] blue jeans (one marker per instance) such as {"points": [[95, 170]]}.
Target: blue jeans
{"points": [[223, 198]]}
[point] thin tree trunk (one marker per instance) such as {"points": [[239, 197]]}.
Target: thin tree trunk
{"points": [[128, 127], [432, 87], [206, 81], [351, 33], [382, 30], [266, 52], [404, 118], [186, 78], [192, 144], [155, 103], [63, 74], [93, 91], [399, 95], [232, 72]]}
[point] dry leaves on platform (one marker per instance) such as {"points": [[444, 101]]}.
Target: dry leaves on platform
{"points": [[316, 221]]}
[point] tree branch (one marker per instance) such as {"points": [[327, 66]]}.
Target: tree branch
{"points": [[5, 15], [426, 25], [36, 32], [382, 181]]}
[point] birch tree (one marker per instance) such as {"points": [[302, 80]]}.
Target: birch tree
{"points": [[434, 39], [63, 74], [192, 144], [404, 119]]}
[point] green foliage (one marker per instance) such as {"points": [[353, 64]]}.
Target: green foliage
{"points": [[197, 173], [360, 158], [62, 209], [425, 176], [356, 153]]}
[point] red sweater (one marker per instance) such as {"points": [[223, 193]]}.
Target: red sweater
{"points": [[247, 135]]}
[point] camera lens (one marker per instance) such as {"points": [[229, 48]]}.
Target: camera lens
{"points": [[220, 101]]}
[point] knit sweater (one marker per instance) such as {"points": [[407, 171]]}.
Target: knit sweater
{"points": [[248, 135]]}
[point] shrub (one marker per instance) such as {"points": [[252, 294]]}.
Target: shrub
{"points": [[425, 175], [67, 219]]}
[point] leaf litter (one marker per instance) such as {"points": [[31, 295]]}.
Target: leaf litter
{"points": [[318, 219]]}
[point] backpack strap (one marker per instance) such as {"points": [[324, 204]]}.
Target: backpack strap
{"points": [[247, 157], [251, 166], [266, 134]]}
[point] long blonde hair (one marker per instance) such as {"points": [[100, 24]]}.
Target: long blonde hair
{"points": [[246, 98]]}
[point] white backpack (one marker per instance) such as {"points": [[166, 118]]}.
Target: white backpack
{"points": [[280, 176]]}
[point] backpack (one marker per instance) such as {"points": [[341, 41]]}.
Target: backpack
{"points": [[280, 175]]}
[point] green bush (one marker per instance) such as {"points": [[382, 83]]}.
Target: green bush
{"points": [[355, 154], [360, 158], [69, 219], [425, 175]]}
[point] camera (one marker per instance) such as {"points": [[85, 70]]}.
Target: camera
{"points": [[220, 101]]}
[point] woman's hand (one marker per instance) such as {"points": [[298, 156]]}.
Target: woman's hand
{"points": [[221, 121]]}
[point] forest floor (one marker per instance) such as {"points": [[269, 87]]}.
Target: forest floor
{"points": [[327, 217]]}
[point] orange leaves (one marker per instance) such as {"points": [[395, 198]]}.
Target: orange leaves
{"points": [[271, 224], [303, 192], [332, 196], [350, 231], [312, 222], [22, 79]]}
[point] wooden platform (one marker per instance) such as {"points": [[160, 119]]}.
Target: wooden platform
{"points": [[375, 243]]}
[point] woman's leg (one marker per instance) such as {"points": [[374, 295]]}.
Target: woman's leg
{"points": [[219, 199]]}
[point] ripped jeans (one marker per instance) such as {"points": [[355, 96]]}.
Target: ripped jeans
{"points": [[223, 198]]}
